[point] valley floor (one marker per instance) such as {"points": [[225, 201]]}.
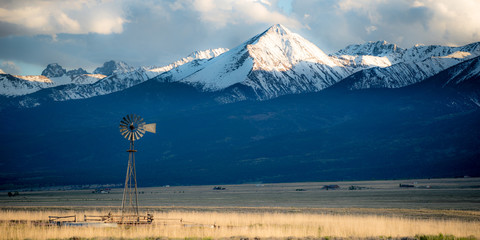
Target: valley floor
{"points": [[356, 210]]}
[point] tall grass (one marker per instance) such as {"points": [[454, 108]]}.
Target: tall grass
{"points": [[196, 224]]}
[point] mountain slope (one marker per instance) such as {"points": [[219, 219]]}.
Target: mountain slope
{"points": [[412, 65], [197, 55], [11, 86], [113, 76], [463, 78], [52, 76], [321, 136], [273, 63]]}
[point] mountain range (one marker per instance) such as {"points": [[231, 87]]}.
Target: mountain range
{"points": [[275, 108], [274, 63]]}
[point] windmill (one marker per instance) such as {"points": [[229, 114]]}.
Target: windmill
{"points": [[132, 127]]}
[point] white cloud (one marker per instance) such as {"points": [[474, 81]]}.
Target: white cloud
{"points": [[221, 13], [157, 32], [54, 17], [455, 21], [370, 29], [426, 21], [10, 67]]}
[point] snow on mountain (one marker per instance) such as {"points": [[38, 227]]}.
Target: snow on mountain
{"points": [[206, 54], [2, 72], [370, 54], [111, 77], [273, 63], [465, 73], [412, 65], [86, 78], [278, 62], [35, 78], [197, 55], [421, 53], [11, 85], [399, 75], [123, 76], [52, 76], [379, 49], [116, 82], [462, 78]]}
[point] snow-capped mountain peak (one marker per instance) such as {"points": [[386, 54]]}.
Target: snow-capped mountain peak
{"points": [[273, 63], [378, 48], [279, 49], [279, 29], [206, 54], [112, 67], [54, 70], [78, 71], [197, 55]]}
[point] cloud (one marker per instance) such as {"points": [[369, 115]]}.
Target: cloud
{"points": [[221, 13], [86, 33], [10, 67], [55, 16], [426, 21], [335, 24]]}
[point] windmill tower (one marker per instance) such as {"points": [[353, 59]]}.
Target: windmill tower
{"points": [[132, 127]]}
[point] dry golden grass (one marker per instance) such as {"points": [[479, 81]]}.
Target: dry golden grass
{"points": [[198, 224]]}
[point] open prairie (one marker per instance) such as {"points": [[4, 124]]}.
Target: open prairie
{"points": [[301, 210]]}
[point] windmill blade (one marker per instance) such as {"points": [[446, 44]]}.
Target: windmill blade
{"points": [[132, 137], [135, 136], [150, 127], [125, 120]]}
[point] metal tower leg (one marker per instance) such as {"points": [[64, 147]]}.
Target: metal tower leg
{"points": [[129, 204]]}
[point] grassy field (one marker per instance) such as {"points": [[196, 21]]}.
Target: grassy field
{"points": [[380, 209], [204, 224]]}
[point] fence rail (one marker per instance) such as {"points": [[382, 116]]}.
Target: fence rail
{"points": [[59, 219], [120, 219]]}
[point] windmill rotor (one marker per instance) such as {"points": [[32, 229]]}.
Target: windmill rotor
{"points": [[133, 127]]}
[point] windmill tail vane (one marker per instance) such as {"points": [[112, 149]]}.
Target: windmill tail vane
{"points": [[132, 127]]}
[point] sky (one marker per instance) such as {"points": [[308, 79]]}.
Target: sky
{"points": [[87, 33]]}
